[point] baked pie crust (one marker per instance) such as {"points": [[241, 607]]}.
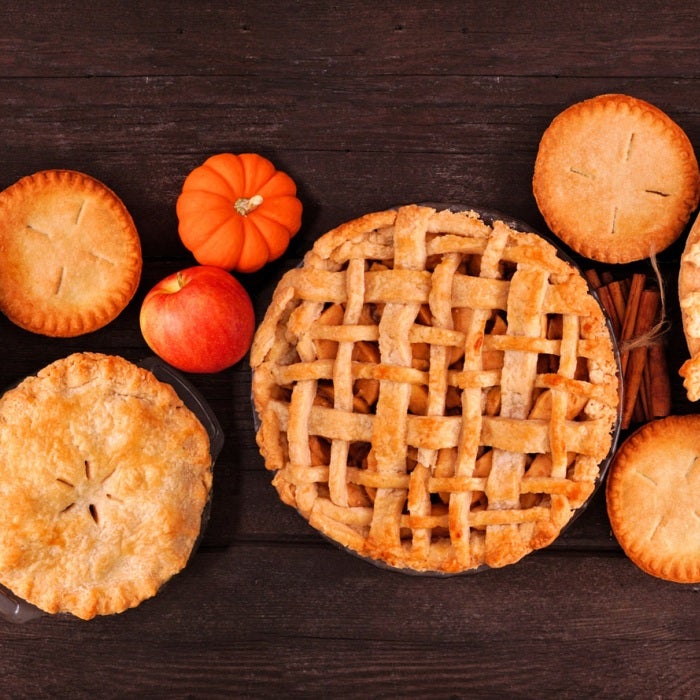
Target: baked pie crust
{"points": [[70, 255], [652, 494], [616, 178], [689, 297], [104, 477], [435, 393]]}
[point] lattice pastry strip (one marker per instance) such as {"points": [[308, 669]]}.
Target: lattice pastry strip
{"points": [[434, 392]]}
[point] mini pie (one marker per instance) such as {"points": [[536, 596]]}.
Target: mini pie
{"points": [[70, 256], [653, 492], [689, 296], [616, 178], [434, 393], [104, 476]]}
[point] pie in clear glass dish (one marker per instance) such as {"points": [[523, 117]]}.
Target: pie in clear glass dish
{"points": [[437, 392]]}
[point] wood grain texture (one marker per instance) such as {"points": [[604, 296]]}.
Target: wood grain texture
{"points": [[482, 38], [366, 105], [313, 619]]}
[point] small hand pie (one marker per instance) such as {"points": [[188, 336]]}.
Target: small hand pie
{"points": [[652, 493], [70, 255], [434, 393], [616, 178], [104, 476]]}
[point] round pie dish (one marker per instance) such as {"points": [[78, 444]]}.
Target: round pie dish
{"points": [[437, 389], [139, 505]]}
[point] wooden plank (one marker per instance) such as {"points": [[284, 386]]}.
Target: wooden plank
{"points": [[187, 115], [305, 668], [307, 620], [478, 38]]}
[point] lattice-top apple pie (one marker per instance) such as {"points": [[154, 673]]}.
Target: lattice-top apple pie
{"points": [[434, 392]]}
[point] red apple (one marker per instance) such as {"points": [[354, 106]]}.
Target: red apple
{"points": [[198, 320]]}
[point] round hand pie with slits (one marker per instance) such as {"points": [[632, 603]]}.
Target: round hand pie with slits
{"points": [[70, 256], [653, 494], [616, 178], [435, 393], [104, 477]]}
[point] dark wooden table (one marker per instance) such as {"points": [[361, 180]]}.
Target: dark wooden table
{"points": [[366, 105]]}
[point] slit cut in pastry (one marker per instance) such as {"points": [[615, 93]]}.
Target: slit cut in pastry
{"points": [[652, 493], [104, 477], [616, 178], [71, 255]]}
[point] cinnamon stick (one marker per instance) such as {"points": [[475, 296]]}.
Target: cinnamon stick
{"points": [[647, 309], [645, 390], [609, 306], [606, 277], [660, 384], [593, 278], [639, 412], [631, 317], [619, 299], [632, 310], [601, 289]]}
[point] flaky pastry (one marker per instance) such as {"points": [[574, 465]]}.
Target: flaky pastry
{"points": [[70, 255], [104, 477], [652, 494], [435, 393], [616, 178], [689, 297]]}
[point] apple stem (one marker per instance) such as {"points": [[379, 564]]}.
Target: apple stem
{"points": [[180, 280], [244, 205]]}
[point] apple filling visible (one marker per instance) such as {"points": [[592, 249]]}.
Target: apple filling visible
{"points": [[436, 411]]}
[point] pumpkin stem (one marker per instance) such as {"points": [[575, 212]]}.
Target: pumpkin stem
{"points": [[245, 205]]}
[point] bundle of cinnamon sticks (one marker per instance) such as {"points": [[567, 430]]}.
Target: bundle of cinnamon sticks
{"points": [[634, 306]]}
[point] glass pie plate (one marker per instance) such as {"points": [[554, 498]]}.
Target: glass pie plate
{"points": [[489, 217], [15, 609]]}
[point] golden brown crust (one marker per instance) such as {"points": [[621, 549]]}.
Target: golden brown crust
{"points": [[104, 475], [689, 297], [616, 178], [435, 393], [70, 256], [653, 491]]}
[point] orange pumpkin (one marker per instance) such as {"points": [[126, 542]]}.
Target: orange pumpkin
{"points": [[237, 212]]}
